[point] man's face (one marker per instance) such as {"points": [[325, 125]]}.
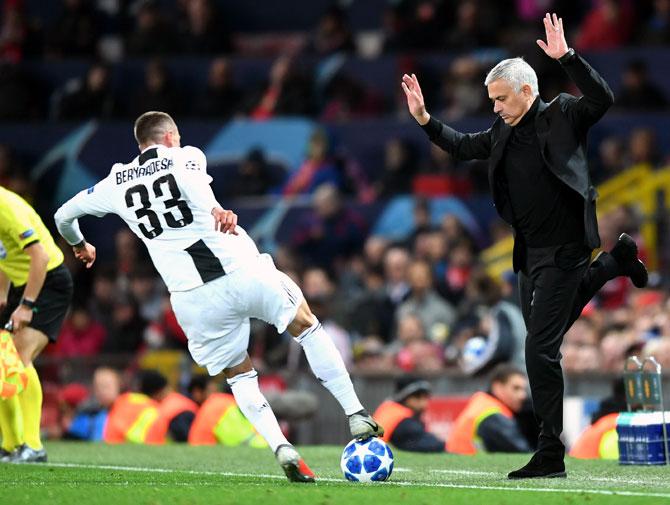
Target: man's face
{"points": [[512, 393], [420, 277], [418, 402], [508, 104], [106, 387]]}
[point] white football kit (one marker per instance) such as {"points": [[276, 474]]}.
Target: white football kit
{"points": [[217, 281]]}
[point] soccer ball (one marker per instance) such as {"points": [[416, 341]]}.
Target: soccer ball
{"points": [[368, 460]]}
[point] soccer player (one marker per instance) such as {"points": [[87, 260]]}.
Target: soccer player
{"points": [[215, 274], [35, 293]]}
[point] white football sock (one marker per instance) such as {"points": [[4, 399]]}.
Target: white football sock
{"points": [[256, 408], [326, 363]]}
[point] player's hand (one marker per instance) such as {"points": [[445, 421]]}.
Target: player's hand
{"points": [[224, 220], [415, 102], [21, 317], [3, 303], [556, 46], [85, 254]]}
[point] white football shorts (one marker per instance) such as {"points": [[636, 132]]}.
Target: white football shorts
{"points": [[215, 316]]}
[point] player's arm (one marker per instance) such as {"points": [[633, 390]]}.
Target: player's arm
{"points": [[196, 184], [16, 222], [462, 146], [597, 95], [93, 201]]}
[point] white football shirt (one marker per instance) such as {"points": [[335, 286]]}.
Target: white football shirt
{"points": [[164, 196]]}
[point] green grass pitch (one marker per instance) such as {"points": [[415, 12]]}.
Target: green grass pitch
{"points": [[90, 474]]}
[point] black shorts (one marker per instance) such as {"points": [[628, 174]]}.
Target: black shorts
{"points": [[52, 303]]}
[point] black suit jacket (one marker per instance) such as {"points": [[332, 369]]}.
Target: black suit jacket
{"points": [[561, 126]]}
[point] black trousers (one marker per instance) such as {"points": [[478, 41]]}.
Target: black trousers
{"points": [[554, 285]]}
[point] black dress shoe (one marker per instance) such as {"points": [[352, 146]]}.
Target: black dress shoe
{"points": [[540, 466], [625, 254]]}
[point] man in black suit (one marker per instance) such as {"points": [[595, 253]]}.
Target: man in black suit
{"points": [[541, 186]]}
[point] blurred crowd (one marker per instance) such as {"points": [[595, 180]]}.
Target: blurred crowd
{"points": [[422, 304], [297, 82], [91, 28], [405, 168]]}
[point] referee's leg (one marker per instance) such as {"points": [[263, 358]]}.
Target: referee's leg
{"points": [[30, 343]]}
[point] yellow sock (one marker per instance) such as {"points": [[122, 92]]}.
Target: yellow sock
{"points": [[11, 423], [31, 405]]}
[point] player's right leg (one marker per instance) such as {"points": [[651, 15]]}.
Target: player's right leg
{"points": [[243, 381], [218, 338]]}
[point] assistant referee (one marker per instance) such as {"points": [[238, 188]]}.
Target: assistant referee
{"points": [[35, 293]]}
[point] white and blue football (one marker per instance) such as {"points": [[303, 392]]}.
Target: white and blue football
{"points": [[368, 460]]}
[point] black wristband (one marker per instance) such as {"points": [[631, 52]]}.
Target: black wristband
{"points": [[80, 245], [567, 57], [29, 303]]}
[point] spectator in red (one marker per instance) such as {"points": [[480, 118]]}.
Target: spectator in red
{"points": [[165, 331], [607, 25], [13, 32], [81, 335]]}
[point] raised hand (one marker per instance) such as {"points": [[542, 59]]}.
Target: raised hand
{"points": [[415, 103], [556, 46]]}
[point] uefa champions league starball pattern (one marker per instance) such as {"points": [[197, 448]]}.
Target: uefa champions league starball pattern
{"points": [[368, 460]]}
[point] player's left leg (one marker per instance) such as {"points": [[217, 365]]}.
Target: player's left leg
{"points": [[621, 260], [243, 381]]}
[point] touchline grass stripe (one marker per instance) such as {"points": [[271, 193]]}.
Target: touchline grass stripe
{"points": [[389, 483]]}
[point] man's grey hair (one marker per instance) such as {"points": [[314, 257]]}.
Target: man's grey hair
{"points": [[515, 71]]}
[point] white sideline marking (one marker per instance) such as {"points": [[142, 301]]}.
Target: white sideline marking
{"points": [[606, 492], [616, 480]]}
